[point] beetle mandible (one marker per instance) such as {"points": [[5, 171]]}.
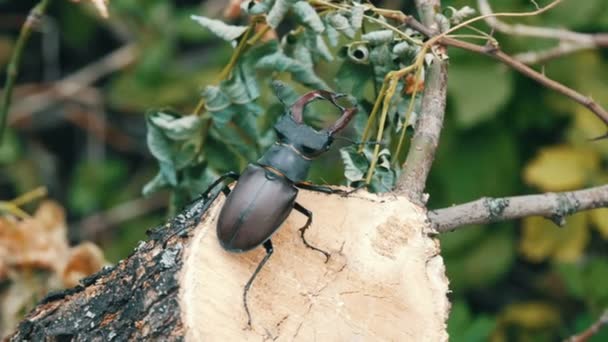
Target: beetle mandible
{"points": [[265, 193]]}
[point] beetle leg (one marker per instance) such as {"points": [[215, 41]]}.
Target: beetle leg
{"points": [[192, 206], [325, 189], [268, 246], [235, 176], [297, 206]]}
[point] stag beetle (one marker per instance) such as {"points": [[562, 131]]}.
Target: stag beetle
{"points": [[265, 193]]}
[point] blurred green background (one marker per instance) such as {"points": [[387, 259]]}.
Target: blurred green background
{"points": [[504, 135]]}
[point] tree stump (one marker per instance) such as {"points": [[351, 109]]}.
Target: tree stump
{"points": [[385, 281]]}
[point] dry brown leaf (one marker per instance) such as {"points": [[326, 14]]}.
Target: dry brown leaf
{"points": [[85, 259]]}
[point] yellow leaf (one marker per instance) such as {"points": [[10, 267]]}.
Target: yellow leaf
{"points": [[531, 315], [599, 217], [560, 168], [542, 239]]}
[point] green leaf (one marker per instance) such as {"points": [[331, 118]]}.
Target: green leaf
{"points": [[321, 48], [177, 128], [285, 92], [341, 24], [278, 61], [155, 184], [462, 326], [303, 55], [355, 164], [473, 269], [219, 28], [471, 160], [158, 144], [479, 91], [332, 34], [215, 99], [278, 11], [356, 16], [236, 90], [256, 8], [383, 180], [167, 170], [378, 37], [88, 190], [308, 16], [358, 53]]}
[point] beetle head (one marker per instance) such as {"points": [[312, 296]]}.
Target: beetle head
{"points": [[293, 131]]}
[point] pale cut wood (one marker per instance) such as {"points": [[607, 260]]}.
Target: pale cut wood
{"points": [[385, 280]]}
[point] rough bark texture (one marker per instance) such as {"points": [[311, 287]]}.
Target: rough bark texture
{"points": [[385, 281], [134, 300]]}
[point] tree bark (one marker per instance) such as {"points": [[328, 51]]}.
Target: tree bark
{"points": [[385, 280]]}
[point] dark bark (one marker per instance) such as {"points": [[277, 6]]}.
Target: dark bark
{"points": [[134, 300]]}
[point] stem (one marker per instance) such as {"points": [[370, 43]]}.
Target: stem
{"points": [[410, 109], [372, 115], [240, 49], [385, 105], [13, 66], [29, 196]]}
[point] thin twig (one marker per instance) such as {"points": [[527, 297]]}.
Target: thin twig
{"points": [[497, 54], [74, 83], [541, 56], [97, 223], [13, 67], [570, 41], [592, 330], [555, 206], [600, 39]]}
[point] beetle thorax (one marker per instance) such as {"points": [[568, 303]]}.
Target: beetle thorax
{"points": [[297, 145]]}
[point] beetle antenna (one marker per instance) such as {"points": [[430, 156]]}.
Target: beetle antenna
{"points": [[355, 142]]}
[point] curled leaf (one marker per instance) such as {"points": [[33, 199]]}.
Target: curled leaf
{"points": [[358, 53], [355, 164], [219, 28], [302, 54], [340, 23], [459, 15], [356, 16], [322, 48], [177, 128], [278, 11], [304, 74], [308, 16], [378, 37], [215, 99], [332, 35], [402, 49]]}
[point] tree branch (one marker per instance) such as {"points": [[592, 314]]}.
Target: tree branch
{"points": [[496, 53], [592, 330], [426, 138], [570, 41], [562, 49], [555, 206], [538, 31]]}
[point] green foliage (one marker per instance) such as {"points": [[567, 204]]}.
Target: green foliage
{"points": [[88, 188], [466, 327], [474, 77], [503, 135]]}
